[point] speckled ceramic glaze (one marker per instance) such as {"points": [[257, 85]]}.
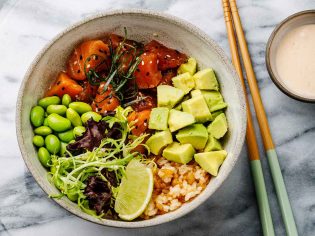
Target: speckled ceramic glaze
{"points": [[142, 26]]}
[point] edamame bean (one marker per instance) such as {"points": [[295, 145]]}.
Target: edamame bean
{"points": [[63, 148], [80, 107], [90, 114], [66, 100], [45, 102], [58, 123], [43, 130], [66, 136], [74, 117], [45, 122], [52, 144], [44, 156], [38, 141], [78, 131], [58, 109], [37, 116]]}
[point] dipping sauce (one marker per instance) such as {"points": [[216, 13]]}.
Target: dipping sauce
{"points": [[295, 61]]}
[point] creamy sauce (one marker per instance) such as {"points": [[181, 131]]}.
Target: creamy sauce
{"points": [[295, 61]]}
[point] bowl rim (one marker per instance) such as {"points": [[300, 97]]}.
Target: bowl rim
{"points": [[237, 148], [272, 75]]}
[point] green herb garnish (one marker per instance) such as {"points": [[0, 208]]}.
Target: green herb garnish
{"points": [[70, 173], [117, 76]]}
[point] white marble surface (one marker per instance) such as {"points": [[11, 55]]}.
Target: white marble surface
{"points": [[26, 26]]}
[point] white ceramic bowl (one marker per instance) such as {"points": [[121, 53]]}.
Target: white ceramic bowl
{"points": [[142, 26]]}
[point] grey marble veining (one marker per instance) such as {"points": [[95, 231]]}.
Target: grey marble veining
{"points": [[26, 26]]}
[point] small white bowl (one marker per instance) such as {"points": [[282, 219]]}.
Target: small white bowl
{"points": [[142, 26], [275, 39]]}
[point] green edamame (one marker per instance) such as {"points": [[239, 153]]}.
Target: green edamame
{"points": [[66, 100], [45, 122], [66, 136], [52, 144], [58, 109], [74, 117], [90, 114], [37, 116], [43, 130], [80, 107], [38, 141], [58, 123], [63, 148], [44, 156], [78, 131], [45, 102]]}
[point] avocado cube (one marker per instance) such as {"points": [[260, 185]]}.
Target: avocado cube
{"points": [[212, 145], [168, 96], [195, 134], [206, 79], [211, 161], [158, 141], [216, 113], [178, 107], [195, 93], [218, 127], [179, 119], [214, 99], [180, 153], [159, 118], [190, 66], [198, 107], [184, 82]]}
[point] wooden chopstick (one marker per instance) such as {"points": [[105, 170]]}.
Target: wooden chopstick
{"points": [[277, 177], [257, 173]]}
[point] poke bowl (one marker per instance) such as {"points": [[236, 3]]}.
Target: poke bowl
{"points": [[131, 118]]}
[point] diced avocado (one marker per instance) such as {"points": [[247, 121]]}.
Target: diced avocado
{"points": [[196, 92], [180, 153], [216, 113], [158, 141], [206, 79], [159, 118], [168, 96], [218, 106], [178, 107], [198, 107], [211, 161], [179, 119], [190, 66], [212, 145], [218, 127], [184, 82], [214, 99], [195, 134]]}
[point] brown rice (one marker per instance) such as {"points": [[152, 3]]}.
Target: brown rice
{"points": [[174, 184]]}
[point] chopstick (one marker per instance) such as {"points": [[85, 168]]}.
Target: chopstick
{"points": [[276, 174], [255, 164]]}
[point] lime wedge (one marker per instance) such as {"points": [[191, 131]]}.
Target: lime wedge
{"points": [[135, 190]]}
